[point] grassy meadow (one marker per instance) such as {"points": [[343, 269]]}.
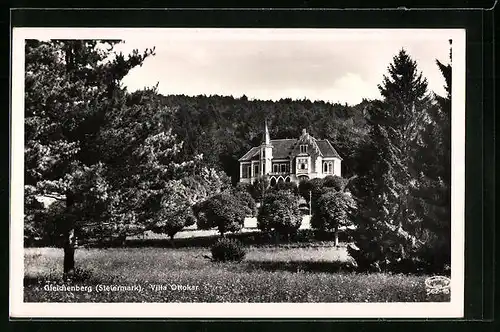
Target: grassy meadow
{"points": [[310, 272]]}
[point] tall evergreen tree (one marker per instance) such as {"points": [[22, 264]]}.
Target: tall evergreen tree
{"points": [[433, 193], [70, 87], [386, 221], [108, 155]]}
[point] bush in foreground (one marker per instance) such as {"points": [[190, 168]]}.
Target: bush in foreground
{"points": [[226, 250], [225, 211], [331, 211], [280, 214]]}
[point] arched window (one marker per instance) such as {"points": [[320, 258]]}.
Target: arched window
{"points": [[280, 180], [325, 167], [330, 168], [287, 179], [273, 181]]}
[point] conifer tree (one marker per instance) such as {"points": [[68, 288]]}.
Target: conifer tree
{"points": [[70, 87], [386, 217], [433, 163], [109, 155]]}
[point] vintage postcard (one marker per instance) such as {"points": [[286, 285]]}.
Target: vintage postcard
{"points": [[237, 173]]}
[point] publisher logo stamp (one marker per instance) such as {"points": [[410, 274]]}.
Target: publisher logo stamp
{"points": [[437, 285]]}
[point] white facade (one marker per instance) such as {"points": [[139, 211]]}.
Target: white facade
{"points": [[290, 160]]}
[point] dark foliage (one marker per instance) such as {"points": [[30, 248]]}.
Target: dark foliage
{"points": [[224, 128], [280, 213], [336, 182], [391, 234], [285, 186], [225, 212], [227, 250]]}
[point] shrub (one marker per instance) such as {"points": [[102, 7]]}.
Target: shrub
{"points": [[312, 190], [246, 200], [258, 188], [331, 211], [282, 186], [225, 250], [225, 211], [280, 213], [335, 182]]}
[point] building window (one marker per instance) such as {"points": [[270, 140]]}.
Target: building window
{"points": [[275, 168], [302, 163], [283, 168], [328, 167], [255, 170], [245, 171], [303, 149]]}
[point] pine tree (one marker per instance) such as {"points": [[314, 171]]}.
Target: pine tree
{"points": [[70, 87], [433, 193], [386, 217]]}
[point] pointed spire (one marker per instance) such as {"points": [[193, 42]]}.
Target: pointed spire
{"points": [[267, 139]]}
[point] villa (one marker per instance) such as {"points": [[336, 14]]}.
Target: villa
{"points": [[290, 160]]}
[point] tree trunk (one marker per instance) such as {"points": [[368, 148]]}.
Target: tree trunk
{"points": [[336, 234], [69, 239], [69, 255], [172, 241]]}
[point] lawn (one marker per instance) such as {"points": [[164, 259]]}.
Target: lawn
{"points": [[268, 274]]}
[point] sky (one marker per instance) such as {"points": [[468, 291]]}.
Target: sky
{"points": [[335, 65]]}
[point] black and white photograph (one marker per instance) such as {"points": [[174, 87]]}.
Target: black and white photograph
{"points": [[161, 172]]}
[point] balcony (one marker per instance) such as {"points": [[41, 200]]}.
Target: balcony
{"points": [[302, 171], [279, 173]]}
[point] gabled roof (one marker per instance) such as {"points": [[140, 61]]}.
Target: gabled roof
{"points": [[250, 154], [326, 148], [282, 149]]}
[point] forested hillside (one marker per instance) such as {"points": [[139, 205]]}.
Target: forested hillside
{"points": [[224, 128]]}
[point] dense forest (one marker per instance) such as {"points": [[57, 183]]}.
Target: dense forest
{"points": [[225, 128]]}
